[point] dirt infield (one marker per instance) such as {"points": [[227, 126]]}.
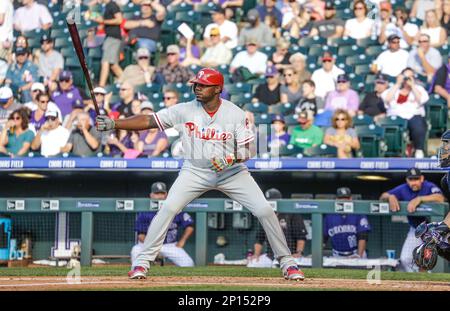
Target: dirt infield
{"points": [[100, 283]]}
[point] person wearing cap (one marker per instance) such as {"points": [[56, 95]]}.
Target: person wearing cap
{"points": [[102, 98], [51, 136], [424, 58], [256, 30], [406, 99], [43, 104], [343, 97], [372, 104], [227, 28], [294, 230], [361, 26], [298, 63], [393, 60], [66, 94], [267, 11], [21, 74], [298, 22], [173, 71], [291, 91], [268, 92], [146, 27], [325, 78], [306, 134], [7, 104], [348, 233], [216, 53], [51, 62], [331, 27], [250, 59], [84, 140], [173, 248], [32, 16], [278, 135], [342, 135], [309, 100], [112, 19], [36, 89], [140, 73], [127, 95], [416, 190], [440, 83], [16, 137]]}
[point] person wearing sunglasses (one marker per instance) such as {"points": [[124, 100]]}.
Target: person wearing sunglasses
{"points": [[342, 135], [142, 72], [298, 63], [173, 71], [372, 104], [217, 53], [15, 137], [361, 26], [51, 62], [331, 26], [343, 97], [7, 104], [425, 59], [51, 137], [66, 93], [269, 92], [37, 116], [291, 91], [393, 60], [21, 74], [325, 78], [397, 24], [127, 95]]}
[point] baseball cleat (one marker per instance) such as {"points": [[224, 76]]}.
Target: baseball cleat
{"points": [[138, 273], [294, 273]]}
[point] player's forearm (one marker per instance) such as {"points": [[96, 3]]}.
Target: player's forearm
{"points": [[245, 152], [300, 246], [187, 233], [136, 123], [447, 220], [361, 247], [437, 197]]}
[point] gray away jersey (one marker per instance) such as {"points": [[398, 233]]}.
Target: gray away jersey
{"points": [[204, 137]]}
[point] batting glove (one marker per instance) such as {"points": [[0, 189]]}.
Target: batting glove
{"points": [[219, 164], [104, 123]]}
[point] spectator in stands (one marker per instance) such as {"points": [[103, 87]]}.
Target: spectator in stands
{"points": [[6, 35], [342, 135], [112, 19], [441, 81], [392, 61], [141, 72], [416, 190], [325, 78], [399, 26], [298, 62], [32, 16], [294, 230], [306, 134], [348, 232], [7, 104], [280, 58], [170, 98], [278, 135], [317, 8], [372, 104], [420, 8], [66, 94], [173, 72], [102, 99], [228, 29], [251, 59], [121, 142], [444, 15], [229, 6], [189, 50], [15, 137], [84, 140], [298, 23], [361, 26], [22, 74], [136, 107], [330, 27], [152, 143], [172, 246], [269, 92], [147, 26], [406, 99], [127, 95], [51, 62], [217, 53], [70, 120], [51, 136], [33, 104], [343, 97], [432, 27], [424, 59], [291, 91], [309, 101], [267, 10], [256, 30], [37, 116]]}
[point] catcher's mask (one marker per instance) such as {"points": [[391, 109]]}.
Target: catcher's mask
{"points": [[444, 150]]}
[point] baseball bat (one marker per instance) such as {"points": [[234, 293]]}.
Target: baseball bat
{"points": [[76, 41]]}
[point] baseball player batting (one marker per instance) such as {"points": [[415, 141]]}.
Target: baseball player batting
{"points": [[216, 139]]}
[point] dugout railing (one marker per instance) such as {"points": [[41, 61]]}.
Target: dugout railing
{"points": [[89, 208]]}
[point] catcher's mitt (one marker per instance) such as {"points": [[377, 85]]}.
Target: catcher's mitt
{"points": [[435, 237], [425, 255]]}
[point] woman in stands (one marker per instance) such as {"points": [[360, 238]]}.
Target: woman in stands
{"points": [[16, 138], [280, 58], [361, 26], [291, 91], [342, 135], [432, 27]]}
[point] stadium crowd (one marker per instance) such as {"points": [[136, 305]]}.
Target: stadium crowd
{"points": [[326, 75]]}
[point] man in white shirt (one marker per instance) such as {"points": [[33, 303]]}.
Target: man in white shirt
{"points": [[32, 16], [424, 59], [325, 78], [51, 137], [392, 61], [228, 29], [254, 60], [51, 62], [6, 35]]}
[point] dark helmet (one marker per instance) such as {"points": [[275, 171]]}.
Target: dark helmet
{"points": [[444, 150]]}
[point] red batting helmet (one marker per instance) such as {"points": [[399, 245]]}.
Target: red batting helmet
{"points": [[208, 76]]}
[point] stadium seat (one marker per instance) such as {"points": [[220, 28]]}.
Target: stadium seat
{"points": [[187, 96], [130, 15], [64, 42], [362, 120], [179, 87], [321, 151], [238, 88], [263, 118], [344, 41], [195, 68], [310, 41], [371, 140], [268, 50], [283, 109], [366, 42], [318, 50], [350, 50], [189, 17], [291, 120], [224, 69], [241, 99], [344, 14], [237, 49], [416, 21], [444, 50], [289, 150], [358, 60], [130, 7], [344, 67], [363, 69], [375, 50], [437, 114], [294, 48], [67, 52], [148, 89], [325, 196], [396, 135], [256, 107], [206, 8]]}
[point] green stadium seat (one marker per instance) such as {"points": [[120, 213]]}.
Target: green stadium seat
{"points": [[321, 151], [344, 41], [238, 88], [444, 50], [263, 118], [344, 67], [61, 43], [416, 21], [256, 107], [149, 89], [130, 15], [437, 114], [344, 14], [310, 41], [206, 8], [187, 96], [179, 87], [113, 88], [268, 50], [59, 32], [291, 120], [34, 42], [350, 50], [237, 49], [157, 99], [195, 68], [130, 7], [396, 135], [362, 69], [375, 50], [224, 69], [282, 109], [358, 60], [366, 42], [318, 50], [371, 141], [289, 150], [241, 99], [294, 48], [362, 120], [183, 7], [189, 17]]}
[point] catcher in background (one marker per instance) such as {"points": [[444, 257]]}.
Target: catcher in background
{"points": [[435, 236]]}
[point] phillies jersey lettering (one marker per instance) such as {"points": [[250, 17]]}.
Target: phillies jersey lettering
{"points": [[203, 136]]}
